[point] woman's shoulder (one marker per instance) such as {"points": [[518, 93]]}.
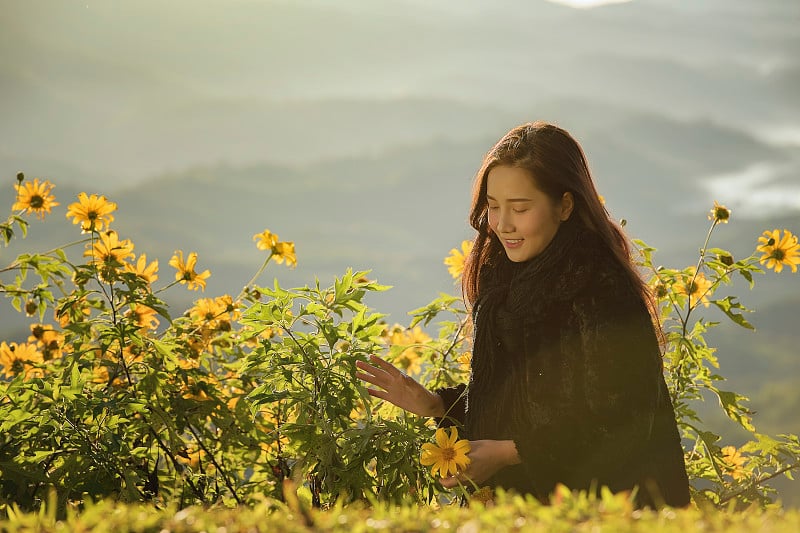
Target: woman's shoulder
{"points": [[597, 272]]}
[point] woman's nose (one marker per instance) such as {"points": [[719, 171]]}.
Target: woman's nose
{"points": [[504, 223]]}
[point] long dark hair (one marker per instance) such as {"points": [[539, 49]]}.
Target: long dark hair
{"points": [[558, 165]]}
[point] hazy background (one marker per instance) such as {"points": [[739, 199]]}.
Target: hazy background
{"points": [[355, 127]]}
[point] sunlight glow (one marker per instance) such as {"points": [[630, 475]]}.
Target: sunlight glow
{"points": [[584, 4]]}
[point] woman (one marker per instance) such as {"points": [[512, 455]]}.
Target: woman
{"points": [[567, 383]]}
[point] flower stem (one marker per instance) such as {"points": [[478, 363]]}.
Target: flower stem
{"points": [[255, 277]]}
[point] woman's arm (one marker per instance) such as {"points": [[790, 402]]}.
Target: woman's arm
{"points": [[486, 458]]}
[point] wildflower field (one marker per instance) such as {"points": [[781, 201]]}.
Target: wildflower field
{"points": [[243, 413]]}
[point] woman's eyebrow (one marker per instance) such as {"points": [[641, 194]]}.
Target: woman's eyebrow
{"points": [[510, 199]]}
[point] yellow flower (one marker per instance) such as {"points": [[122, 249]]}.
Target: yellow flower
{"points": [[50, 340], [145, 317], [148, 273], [448, 455], [408, 343], [214, 312], [265, 240], [109, 368], [602, 199], [284, 251], [19, 358], [185, 271], [719, 213], [465, 360], [779, 251], [35, 197], [108, 253], [72, 312], [281, 251], [192, 390], [93, 212], [735, 462], [455, 261], [195, 459], [694, 285], [409, 361], [484, 496]]}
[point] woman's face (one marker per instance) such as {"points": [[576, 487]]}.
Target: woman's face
{"points": [[520, 215]]}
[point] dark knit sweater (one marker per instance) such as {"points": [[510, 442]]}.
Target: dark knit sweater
{"points": [[566, 364]]}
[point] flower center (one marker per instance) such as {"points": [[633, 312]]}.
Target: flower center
{"points": [[448, 454], [91, 215], [37, 201], [778, 254], [38, 332]]}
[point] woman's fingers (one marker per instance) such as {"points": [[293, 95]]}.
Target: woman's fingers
{"points": [[373, 375], [459, 478], [382, 375], [386, 366]]}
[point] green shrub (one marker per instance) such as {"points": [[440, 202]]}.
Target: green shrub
{"points": [[115, 397]]}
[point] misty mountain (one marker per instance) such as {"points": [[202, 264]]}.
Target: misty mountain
{"points": [[133, 89]]}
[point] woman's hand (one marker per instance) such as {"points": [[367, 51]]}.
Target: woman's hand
{"points": [[398, 388], [486, 458]]}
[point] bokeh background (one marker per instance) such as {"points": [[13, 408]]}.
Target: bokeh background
{"points": [[355, 127]]}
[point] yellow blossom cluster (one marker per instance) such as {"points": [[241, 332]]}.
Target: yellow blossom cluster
{"points": [[108, 252]]}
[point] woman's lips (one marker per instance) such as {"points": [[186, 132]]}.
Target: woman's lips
{"points": [[512, 243]]}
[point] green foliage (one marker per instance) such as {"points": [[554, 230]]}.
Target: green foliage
{"points": [[719, 473], [252, 399], [116, 397]]}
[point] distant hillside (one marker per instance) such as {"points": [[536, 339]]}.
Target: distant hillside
{"points": [[398, 212], [136, 89]]}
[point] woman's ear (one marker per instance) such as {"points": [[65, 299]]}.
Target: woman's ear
{"points": [[567, 205]]}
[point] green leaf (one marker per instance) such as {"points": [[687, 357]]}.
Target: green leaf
{"points": [[729, 305], [266, 393], [730, 402]]}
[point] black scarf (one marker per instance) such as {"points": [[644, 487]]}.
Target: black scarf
{"points": [[510, 291]]}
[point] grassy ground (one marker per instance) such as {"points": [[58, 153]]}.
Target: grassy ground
{"points": [[612, 514]]}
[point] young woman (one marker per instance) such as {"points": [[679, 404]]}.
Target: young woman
{"points": [[567, 383]]}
